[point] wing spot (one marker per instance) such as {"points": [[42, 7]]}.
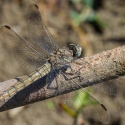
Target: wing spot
{"points": [[103, 107], [36, 6], [7, 27]]}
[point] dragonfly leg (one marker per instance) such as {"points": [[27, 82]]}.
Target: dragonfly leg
{"points": [[74, 77], [51, 88], [75, 74], [52, 80]]}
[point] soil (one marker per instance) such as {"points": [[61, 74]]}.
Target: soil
{"points": [[92, 39]]}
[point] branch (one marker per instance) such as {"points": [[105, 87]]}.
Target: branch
{"points": [[94, 69]]}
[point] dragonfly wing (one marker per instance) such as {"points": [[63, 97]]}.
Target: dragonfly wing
{"points": [[38, 32], [28, 57], [112, 87], [88, 107], [81, 101]]}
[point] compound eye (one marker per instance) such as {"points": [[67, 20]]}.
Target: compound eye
{"points": [[73, 47], [77, 50]]}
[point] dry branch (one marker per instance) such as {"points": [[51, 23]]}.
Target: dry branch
{"points": [[94, 69]]}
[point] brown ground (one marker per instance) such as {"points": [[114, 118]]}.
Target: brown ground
{"points": [[12, 13]]}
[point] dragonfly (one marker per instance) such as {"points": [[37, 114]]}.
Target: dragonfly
{"points": [[41, 56]]}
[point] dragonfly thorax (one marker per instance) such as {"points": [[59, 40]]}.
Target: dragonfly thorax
{"points": [[65, 56], [61, 57]]}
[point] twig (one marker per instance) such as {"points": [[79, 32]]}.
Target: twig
{"points": [[94, 69]]}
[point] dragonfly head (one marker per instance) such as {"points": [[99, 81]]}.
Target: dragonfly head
{"points": [[77, 50]]}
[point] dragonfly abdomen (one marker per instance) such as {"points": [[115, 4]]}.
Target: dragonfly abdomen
{"points": [[26, 81]]}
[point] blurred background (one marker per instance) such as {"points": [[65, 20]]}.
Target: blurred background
{"points": [[96, 25]]}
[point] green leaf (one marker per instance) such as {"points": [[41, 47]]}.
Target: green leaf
{"points": [[81, 99], [78, 18], [100, 23], [50, 104], [76, 1], [88, 3], [75, 18]]}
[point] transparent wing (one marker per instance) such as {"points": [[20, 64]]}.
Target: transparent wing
{"points": [[38, 32], [88, 107], [28, 58], [80, 100], [112, 87]]}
